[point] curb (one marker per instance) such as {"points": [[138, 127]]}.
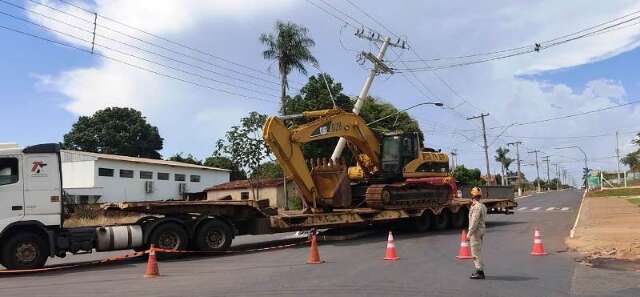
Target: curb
{"points": [[572, 233]]}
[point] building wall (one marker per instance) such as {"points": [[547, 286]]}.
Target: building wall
{"points": [[274, 194], [78, 174]]}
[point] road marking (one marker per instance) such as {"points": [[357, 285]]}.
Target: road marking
{"points": [[536, 209], [551, 208], [564, 209], [522, 208]]}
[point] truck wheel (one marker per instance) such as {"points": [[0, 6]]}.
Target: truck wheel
{"points": [[442, 220], [459, 219], [25, 251], [213, 235], [423, 222], [169, 236]]}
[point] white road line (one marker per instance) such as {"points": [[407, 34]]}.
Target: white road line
{"points": [[564, 209], [536, 209], [522, 208], [551, 208]]}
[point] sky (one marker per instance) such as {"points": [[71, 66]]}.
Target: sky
{"points": [[46, 87]]}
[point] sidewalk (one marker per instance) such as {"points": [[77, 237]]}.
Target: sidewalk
{"points": [[608, 228]]}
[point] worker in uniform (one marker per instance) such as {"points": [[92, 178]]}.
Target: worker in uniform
{"points": [[477, 216]]}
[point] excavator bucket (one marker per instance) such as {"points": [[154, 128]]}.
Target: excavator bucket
{"points": [[332, 182]]}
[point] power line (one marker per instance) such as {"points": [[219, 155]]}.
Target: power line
{"points": [[179, 44], [130, 45], [133, 65]]}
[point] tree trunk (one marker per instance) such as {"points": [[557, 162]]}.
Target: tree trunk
{"points": [[503, 181], [283, 92]]}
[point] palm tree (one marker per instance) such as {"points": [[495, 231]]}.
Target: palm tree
{"points": [[289, 46], [504, 160]]}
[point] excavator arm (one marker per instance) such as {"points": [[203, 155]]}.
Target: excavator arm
{"points": [[326, 183]]}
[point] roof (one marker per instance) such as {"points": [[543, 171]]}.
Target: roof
{"points": [[136, 160], [244, 184]]}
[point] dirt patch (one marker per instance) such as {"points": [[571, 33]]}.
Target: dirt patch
{"points": [[608, 229]]}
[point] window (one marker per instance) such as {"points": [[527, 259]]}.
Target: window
{"points": [[244, 195], [8, 171], [195, 178], [146, 175], [126, 173], [180, 177], [163, 176], [105, 172]]}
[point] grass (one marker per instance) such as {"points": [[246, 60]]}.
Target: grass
{"points": [[635, 201], [616, 192]]}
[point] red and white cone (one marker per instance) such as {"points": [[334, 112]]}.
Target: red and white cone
{"points": [[152, 264], [538, 246], [391, 249], [465, 249]]}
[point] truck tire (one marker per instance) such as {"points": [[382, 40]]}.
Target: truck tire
{"points": [[423, 223], [169, 236], [25, 251], [213, 235], [442, 220], [459, 219]]}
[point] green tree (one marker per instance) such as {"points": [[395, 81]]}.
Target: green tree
{"points": [[226, 163], [268, 170], [633, 159], [115, 130], [288, 45], [190, 159], [465, 176], [244, 146], [504, 160]]}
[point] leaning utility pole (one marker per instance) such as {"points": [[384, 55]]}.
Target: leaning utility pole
{"points": [[618, 155], [379, 67], [546, 160], [519, 179], [537, 167], [486, 147]]}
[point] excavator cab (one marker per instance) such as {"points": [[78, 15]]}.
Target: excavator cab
{"points": [[398, 149]]}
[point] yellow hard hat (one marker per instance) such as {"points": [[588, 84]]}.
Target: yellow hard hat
{"points": [[475, 191]]}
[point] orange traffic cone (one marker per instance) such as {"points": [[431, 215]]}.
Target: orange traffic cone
{"points": [[465, 251], [391, 249], [152, 264], [538, 247], [314, 255]]}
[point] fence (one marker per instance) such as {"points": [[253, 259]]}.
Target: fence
{"points": [[599, 180]]}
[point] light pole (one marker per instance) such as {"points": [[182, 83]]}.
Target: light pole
{"points": [[403, 110], [586, 166]]}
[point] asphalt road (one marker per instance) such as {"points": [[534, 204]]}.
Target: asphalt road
{"points": [[355, 268]]}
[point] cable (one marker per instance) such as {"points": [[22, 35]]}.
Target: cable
{"points": [[182, 45], [133, 65]]}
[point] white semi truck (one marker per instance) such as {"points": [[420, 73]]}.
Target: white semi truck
{"points": [[32, 217]]}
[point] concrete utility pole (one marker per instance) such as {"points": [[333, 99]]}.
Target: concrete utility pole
{"points": [[454, 160], [618, 155], [557, 176], [537, 167], [486, 147], [586, 165], [519, 179], [546, 159], [564, 176], [378, 68]]}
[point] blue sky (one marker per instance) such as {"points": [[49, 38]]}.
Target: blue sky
{"points": [[46, 87]]}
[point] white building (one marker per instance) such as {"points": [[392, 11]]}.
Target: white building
{"points": [[99, 178]]}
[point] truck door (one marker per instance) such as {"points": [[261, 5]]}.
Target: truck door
{"points": [[42, 188], [11, 190]]}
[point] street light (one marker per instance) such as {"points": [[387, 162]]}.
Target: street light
{"points": [[585, 157], [403, 110]]}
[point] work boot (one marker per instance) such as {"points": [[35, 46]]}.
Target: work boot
{"points": [[479, 274]]}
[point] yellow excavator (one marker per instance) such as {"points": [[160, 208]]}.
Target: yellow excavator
{"points": [[392, 170]]}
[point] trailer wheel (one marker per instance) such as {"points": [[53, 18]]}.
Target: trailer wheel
{"points": [[25, 251], [442, 220], [459, 219], [213, 235], [169, 236], [423, 222]]}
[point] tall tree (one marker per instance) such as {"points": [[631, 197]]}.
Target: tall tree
{"points": [[115, 130], [189, 159], [504, 160], [633, 159], [466, 176], [288, 45]]}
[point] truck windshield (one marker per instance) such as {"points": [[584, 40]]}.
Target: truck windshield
{"points": [[8, 171]]}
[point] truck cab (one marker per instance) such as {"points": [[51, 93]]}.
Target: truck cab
{"points": [[30, 202]]}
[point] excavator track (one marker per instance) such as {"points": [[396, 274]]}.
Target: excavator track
{"points": [[402, 195]]}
